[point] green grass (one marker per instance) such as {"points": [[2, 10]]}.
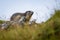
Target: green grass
{"points": [[1, 21], [50, 30]]}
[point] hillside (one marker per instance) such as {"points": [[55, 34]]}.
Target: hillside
{"points": [[50, 30]]}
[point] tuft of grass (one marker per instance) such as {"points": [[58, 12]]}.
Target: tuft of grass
{"points": [[1, 21]]}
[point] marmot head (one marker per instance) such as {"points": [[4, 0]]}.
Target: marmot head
{"points": [[28, 15]]}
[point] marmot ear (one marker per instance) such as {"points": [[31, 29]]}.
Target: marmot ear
{"points": [[27, 12]]}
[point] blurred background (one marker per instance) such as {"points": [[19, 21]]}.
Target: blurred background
{"points": [[43, 9]]}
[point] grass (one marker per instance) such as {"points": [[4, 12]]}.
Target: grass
{"points": [[50, 30]]}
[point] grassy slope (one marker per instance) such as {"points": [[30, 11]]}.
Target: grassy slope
{"points": [[54, 24], [48, 30]]}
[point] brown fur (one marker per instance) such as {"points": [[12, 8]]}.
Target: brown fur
{"points": [[17, 16]]}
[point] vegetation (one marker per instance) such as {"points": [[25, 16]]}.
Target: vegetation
{"points": [[50, 30]]}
